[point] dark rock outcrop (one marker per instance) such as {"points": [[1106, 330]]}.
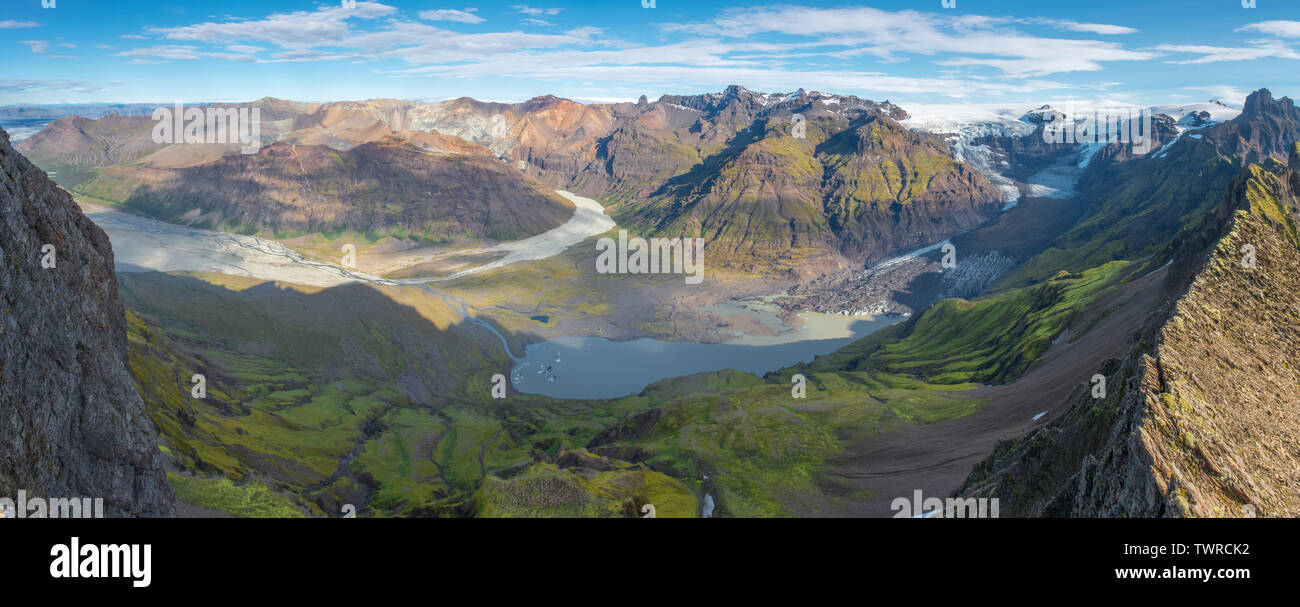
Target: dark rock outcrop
{"points": [[71, 421]]}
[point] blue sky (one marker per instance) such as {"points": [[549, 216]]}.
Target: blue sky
{"points": [[981, 51]]}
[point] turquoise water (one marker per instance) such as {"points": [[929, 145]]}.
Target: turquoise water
{"points": [[595, 367]]}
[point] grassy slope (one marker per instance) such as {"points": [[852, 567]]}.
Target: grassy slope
{"points": [[763, 451], [991, 340], [307, 401], [311, 393]]}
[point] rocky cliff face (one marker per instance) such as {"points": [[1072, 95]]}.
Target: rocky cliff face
{"points": [[1201, 418], [71, 421]]}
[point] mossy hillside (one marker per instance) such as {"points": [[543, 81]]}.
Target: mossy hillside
{"points": [[773, 203], [302, 441], [545, 490], [990, 340], [876, 164], [1265, 188], [761, 452], [258, 419], [269, 418], [645, 156], [249, 500], [1202, 399], [314, 426]]}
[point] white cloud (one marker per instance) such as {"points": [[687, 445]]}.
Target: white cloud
{"points": [[447, 14], [1217, 54], [9, 24], [166, 51], [776, 48], [1088, 28], [1284, 29], [36, 46], [1222, 92], [302, 29], [185, 52], [536, 12], [977, 41], [9, 87]]}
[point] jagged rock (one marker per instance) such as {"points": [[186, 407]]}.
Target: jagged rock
{"points": [[71, 421]]}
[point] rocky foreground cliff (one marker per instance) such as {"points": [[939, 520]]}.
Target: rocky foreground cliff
{"points": [[71, 421], [1202, 417]]}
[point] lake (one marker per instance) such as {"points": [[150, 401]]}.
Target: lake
{"points": [[595, 367]]}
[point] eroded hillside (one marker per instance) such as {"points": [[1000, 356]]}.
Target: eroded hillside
{"points": [[1202, 416]]}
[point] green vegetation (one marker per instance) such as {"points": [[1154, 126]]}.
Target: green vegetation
{"points": [[250, 500], [1265, 187], [308, 392], [545, 490], [990, 340]]}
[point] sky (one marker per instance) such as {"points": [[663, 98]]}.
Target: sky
{"points": [[914, 51]]}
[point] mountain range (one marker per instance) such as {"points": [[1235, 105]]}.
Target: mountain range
{"points": [[1169, 274]]}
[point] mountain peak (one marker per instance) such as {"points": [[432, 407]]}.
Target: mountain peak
{"points": [[734, 90], [1262, 101]]}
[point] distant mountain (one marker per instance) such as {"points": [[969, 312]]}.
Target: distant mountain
{"points": [[426, 186], [72, 424], [799, 183], [773, 182], [843, 179], [1137, 205], [88, 143], [84, 110], [325, 168]]}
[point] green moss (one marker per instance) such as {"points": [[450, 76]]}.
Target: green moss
{"points": [[250, 500], [990, 340], [547, 491]]}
